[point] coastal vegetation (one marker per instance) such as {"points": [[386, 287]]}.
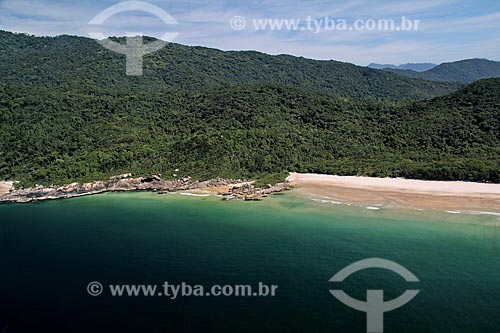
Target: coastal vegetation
{"points": [[83, 65], [52, 136], [68, 113]]}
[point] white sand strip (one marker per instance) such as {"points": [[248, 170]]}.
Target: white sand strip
{"points": [[396, 184]]}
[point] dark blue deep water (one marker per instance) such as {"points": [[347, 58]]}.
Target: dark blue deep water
{"points": [[51, 251]]}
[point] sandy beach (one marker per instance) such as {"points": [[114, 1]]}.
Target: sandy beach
{"points": [[398, 192], [5, 187]]}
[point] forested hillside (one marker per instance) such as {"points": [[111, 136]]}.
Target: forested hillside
{"points": [[68, 113], [58, 136], [81, 64]]}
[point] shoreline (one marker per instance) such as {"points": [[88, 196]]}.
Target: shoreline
{"points": [[369, 191], [230, 189], [399, 192]]}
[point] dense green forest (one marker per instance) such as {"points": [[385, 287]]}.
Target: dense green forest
{"points": [[75, 116], [57, 136], [81, 64], [464, 71]]}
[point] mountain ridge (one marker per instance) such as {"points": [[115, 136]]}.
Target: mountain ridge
{"points": [[82, 63], [463, 71], [417, 67], [68, 113]]}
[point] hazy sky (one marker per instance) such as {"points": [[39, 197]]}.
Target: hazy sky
{"points": [[449, 29]]}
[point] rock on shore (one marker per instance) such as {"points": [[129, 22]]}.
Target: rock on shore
{"points": [[154, 183], [248, 192]]}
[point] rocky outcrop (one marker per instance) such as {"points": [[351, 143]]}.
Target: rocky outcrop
{"points": [[154, 183], [248, 192]]}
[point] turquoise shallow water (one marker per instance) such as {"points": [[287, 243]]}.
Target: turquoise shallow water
{"points": [[50, 251]]}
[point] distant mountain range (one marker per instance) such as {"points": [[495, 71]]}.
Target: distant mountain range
{"points": [[464, 71], [419, 67]]}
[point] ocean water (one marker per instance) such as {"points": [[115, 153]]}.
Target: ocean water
{"points": [[51, 251]]}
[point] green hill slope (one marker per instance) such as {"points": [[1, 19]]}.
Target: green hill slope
{"points": [[81, 64], [58, 136]]}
